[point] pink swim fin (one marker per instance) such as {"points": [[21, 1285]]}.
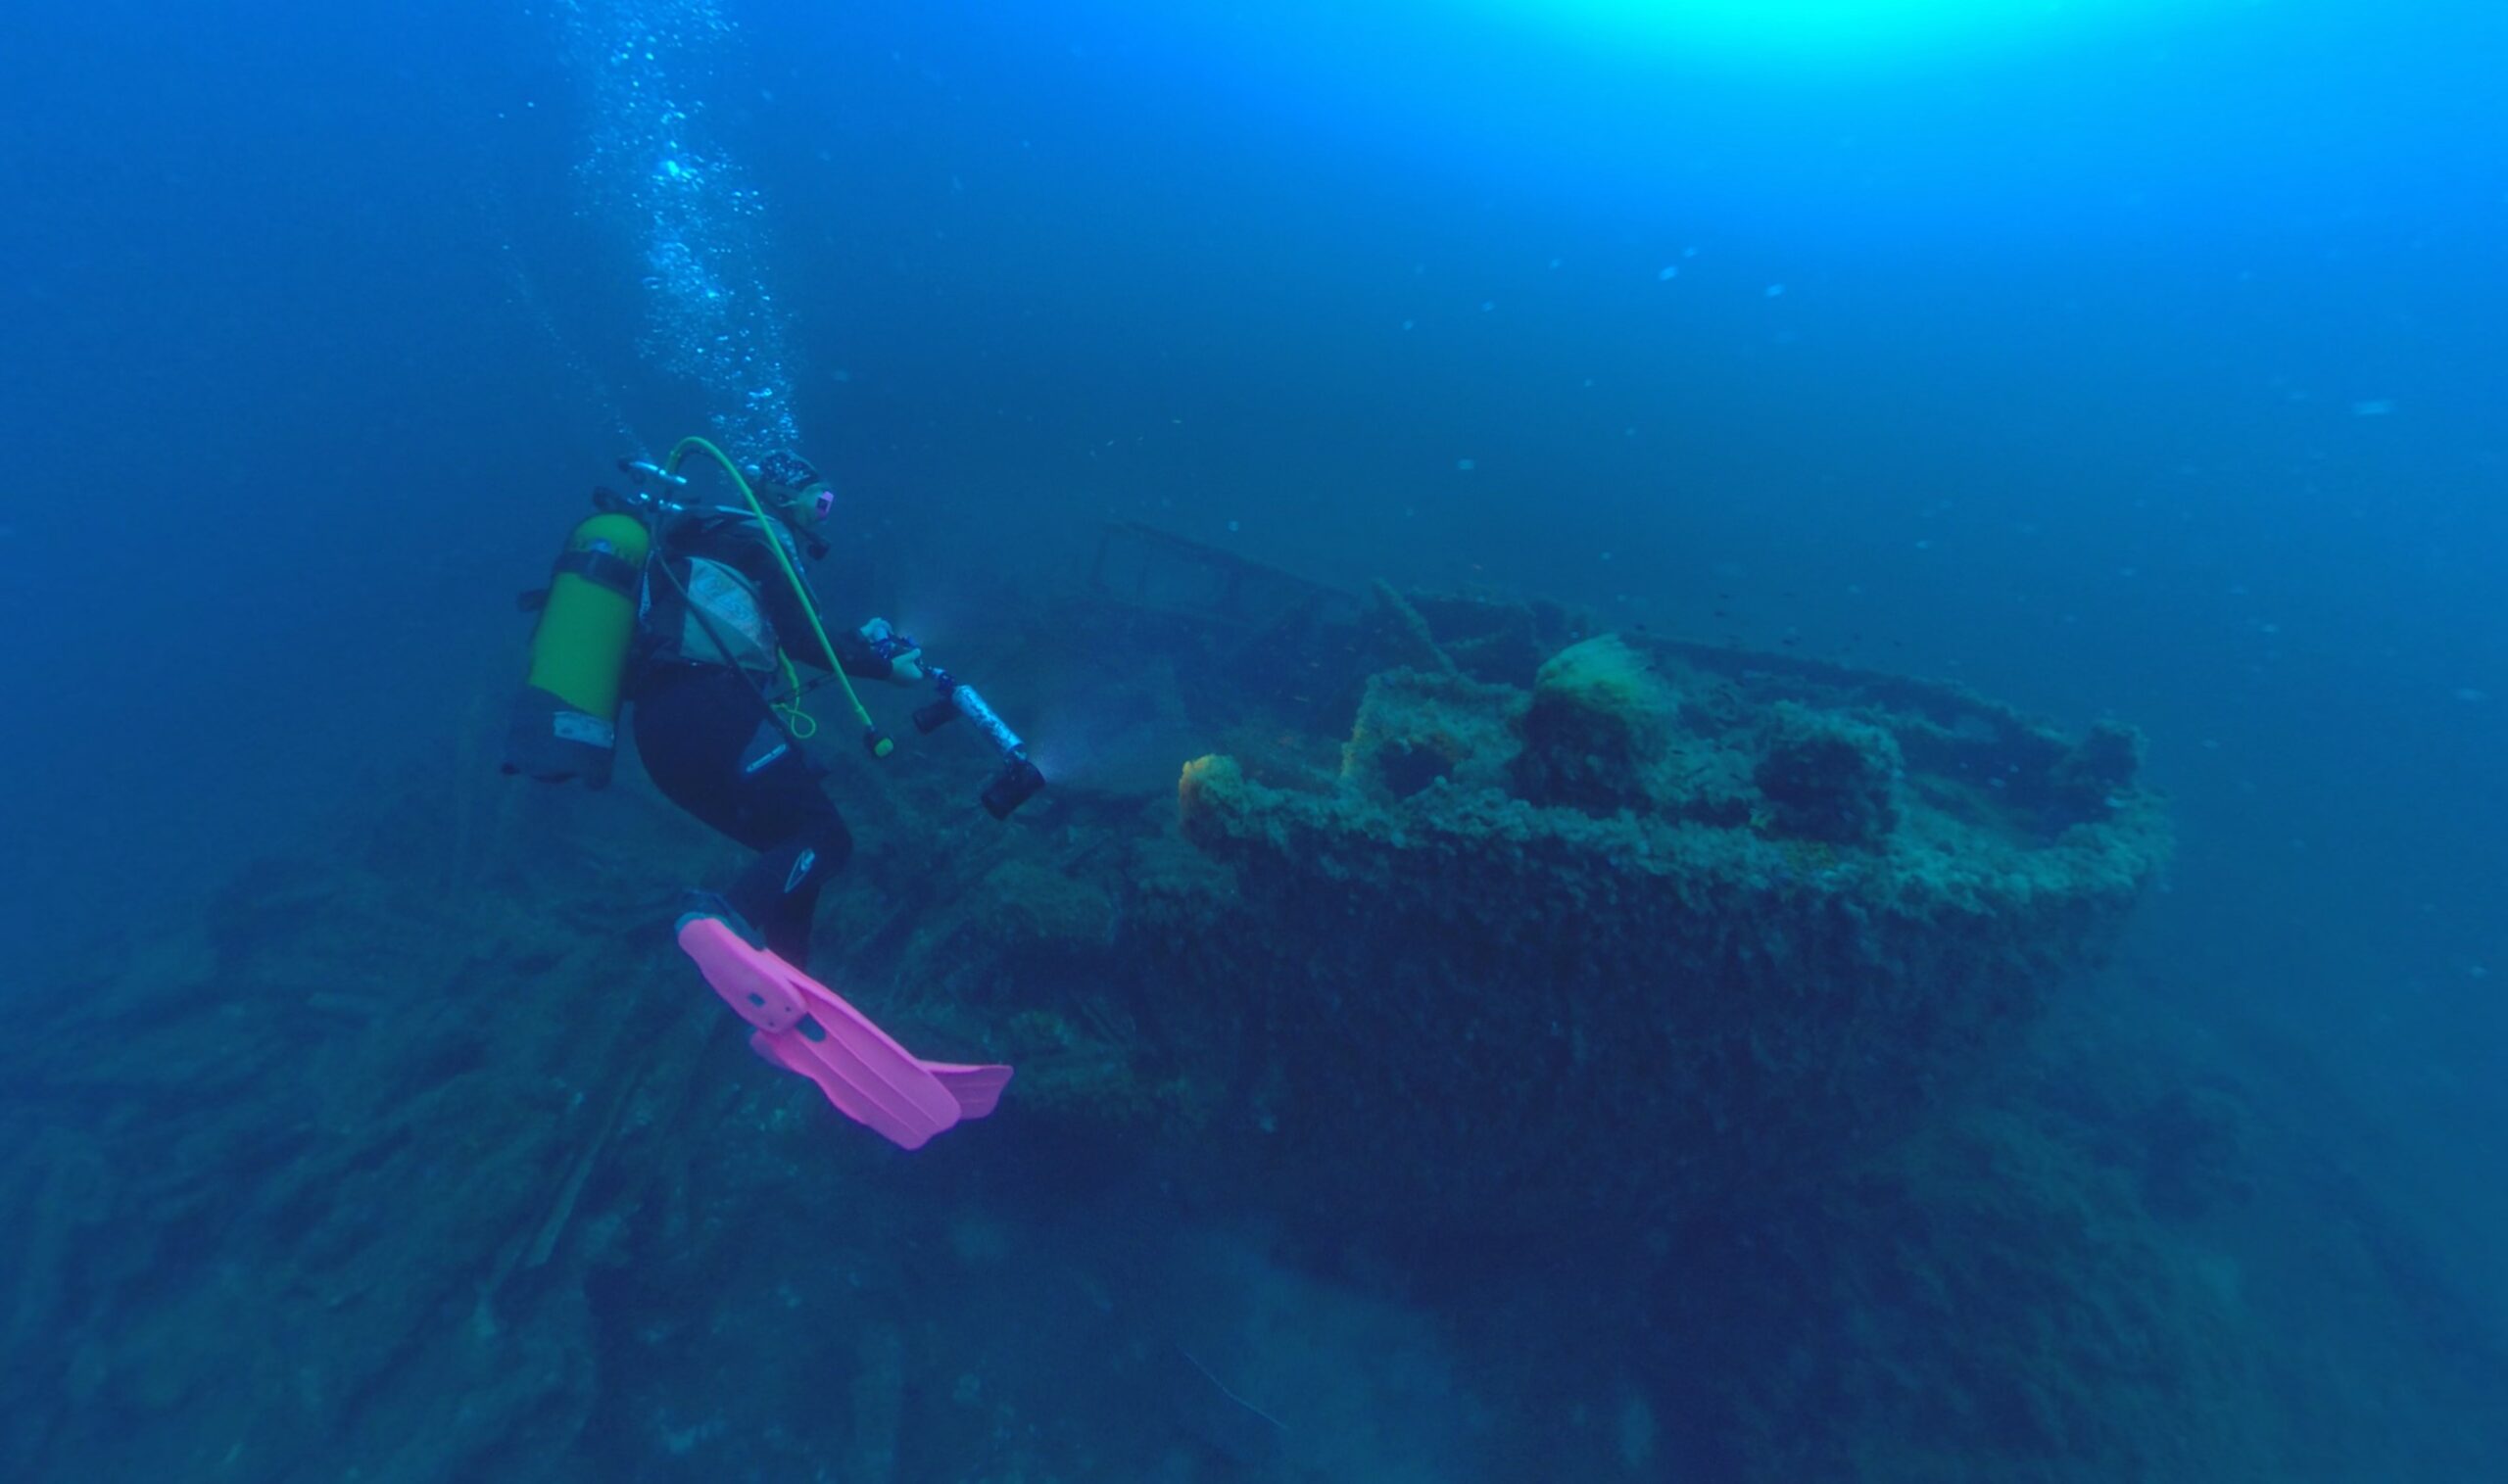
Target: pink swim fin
{"points": [[808, 1029]]}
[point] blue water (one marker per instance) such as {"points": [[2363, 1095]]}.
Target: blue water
{"points": [[2144, 364]]}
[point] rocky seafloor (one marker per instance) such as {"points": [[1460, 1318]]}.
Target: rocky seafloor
{"points": [[1454, 1045]]}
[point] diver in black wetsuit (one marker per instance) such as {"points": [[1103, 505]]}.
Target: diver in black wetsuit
{"points": [[717, 608], [698, 615]]}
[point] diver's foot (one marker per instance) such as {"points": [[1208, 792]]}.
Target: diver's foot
{"points": [[693, 905]]}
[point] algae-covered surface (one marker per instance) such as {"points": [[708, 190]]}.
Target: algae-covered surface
{"points": [[1631, 940], [1477, 1048]]}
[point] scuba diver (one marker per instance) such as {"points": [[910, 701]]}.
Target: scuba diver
{"points": [[699, 615], [718, 590]]}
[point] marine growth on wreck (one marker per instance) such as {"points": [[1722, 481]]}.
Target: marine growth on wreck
{"points": [[1644, 926]]}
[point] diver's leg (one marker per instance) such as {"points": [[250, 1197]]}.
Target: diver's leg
{"points": [[779, 892], [713, 747], [692, 726]]}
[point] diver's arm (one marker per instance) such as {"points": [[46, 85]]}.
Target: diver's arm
{"points": [[791, 611], [861, 658], [861, 661], [855, 652], [789, 601]]}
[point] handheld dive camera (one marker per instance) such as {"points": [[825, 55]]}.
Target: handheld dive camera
{"points": [[1019, 778]]}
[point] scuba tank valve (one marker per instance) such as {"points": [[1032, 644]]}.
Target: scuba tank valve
{"points": [[641, 469]]}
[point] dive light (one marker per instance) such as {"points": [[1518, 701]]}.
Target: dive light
{"points": [[1019, 778], [646, 468]]}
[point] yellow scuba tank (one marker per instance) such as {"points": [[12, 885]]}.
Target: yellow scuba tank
{"points": [[565, 718]]}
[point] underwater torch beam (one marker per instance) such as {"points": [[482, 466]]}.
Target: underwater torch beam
{"points": [[1019, 778]]}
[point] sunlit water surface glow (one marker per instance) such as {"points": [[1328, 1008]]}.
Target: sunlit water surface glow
{"points": [[1825, 35]]}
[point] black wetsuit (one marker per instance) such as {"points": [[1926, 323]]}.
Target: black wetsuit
{"points": [[712, 744]]}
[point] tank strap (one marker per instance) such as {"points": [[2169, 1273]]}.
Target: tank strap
{"points": [[605, 569]]}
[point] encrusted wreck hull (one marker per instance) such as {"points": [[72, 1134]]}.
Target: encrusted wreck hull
{"points": [[1470, 1011]]}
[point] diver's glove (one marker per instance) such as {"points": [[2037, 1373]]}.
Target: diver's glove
{"points": [[903, 654]]}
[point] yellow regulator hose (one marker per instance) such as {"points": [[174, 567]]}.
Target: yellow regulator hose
{"points": [[879, 746]]}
